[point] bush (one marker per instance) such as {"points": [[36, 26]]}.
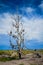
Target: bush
{"points": [[3, 59], [21, 64]]}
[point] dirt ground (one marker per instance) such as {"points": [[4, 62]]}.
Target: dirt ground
{"points": [[26, 60]]}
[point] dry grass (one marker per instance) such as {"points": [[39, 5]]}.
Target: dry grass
{"points": [[9, 53]]}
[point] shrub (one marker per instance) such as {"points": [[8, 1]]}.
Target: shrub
{"points": [[21, 64]]}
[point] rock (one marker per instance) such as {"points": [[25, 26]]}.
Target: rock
{"points": [[36, 55]]}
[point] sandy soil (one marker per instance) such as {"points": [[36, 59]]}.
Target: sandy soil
{"points": [[26, 60]]}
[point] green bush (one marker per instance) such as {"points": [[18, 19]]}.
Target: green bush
{"points": [[3, 59], [21, 64], [32, 64]]}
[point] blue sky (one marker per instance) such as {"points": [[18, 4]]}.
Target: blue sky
{"points": [[32, 19]]}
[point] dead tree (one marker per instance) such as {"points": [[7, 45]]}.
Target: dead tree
{"points": [[18, 34]]}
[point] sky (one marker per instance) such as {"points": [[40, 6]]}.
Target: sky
{"points": [[32, 19]]}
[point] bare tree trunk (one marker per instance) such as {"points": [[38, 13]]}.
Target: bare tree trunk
{"points": [[19, 53]]}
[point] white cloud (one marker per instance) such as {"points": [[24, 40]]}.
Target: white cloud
{"points": [[41, 5], [5, 22], [27, 9], [33, 27]]}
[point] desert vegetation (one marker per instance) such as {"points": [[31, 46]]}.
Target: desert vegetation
{"points": [[8, 55]]}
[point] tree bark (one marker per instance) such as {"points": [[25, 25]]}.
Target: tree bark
{"points": [[19, 53]]}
